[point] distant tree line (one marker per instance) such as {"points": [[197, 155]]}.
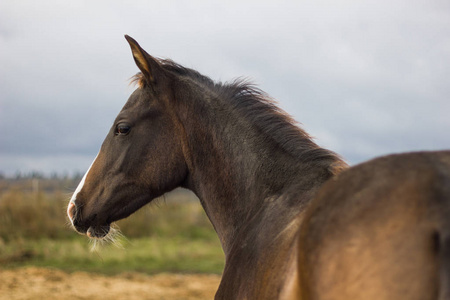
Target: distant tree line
{"points": [[41, 175], [39, 182]]}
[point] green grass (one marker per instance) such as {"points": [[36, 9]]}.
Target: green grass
{"points": [[147, 255]]}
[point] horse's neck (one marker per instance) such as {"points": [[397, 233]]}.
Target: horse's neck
{"points": [[242, 177]]}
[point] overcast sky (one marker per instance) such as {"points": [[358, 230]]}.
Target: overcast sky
{"points": [[365, 78]]}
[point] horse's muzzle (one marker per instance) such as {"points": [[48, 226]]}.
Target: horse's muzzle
{"points": [[98, 231], [85, 226]]}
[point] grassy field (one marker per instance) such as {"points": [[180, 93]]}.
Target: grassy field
{"points": [[147, 255], [171, 235]]}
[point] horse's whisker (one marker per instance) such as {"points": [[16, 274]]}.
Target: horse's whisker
{"points": [[113, 237]]}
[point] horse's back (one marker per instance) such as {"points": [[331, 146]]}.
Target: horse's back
{"points": [[380, 230]]}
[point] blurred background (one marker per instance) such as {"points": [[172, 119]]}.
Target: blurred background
{"points": [[365, 78]]}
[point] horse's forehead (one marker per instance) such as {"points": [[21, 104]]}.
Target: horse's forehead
{"points": [[138, 97]]}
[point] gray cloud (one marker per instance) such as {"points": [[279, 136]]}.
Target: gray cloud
{"points": [[365, 79]]}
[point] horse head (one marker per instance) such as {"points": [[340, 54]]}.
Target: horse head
{"points": [[140, 159]]}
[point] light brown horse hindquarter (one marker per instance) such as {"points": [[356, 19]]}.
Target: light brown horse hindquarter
{"points": [[380, 230]]}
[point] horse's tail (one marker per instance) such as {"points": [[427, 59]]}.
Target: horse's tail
{"points": [[444, 265]]}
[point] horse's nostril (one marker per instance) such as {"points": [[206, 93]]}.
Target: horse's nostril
{"points": [[71, 210]]}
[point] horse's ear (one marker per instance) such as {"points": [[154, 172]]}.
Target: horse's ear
{"points": [[145, 62]]}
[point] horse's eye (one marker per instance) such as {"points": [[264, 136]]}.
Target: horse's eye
{"points": [[122, 129]]}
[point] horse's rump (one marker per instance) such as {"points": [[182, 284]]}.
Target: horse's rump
{"points": [[377, 230]]}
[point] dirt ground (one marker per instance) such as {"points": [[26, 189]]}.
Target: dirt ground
{"points": [[41, 283]]}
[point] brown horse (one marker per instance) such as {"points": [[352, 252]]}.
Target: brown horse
{"points": [[376, 231]]}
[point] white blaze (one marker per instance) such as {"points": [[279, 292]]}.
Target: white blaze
{"points": [[80, 185]]}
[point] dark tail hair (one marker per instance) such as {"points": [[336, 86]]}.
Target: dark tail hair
{"points": [[444, 267]]}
